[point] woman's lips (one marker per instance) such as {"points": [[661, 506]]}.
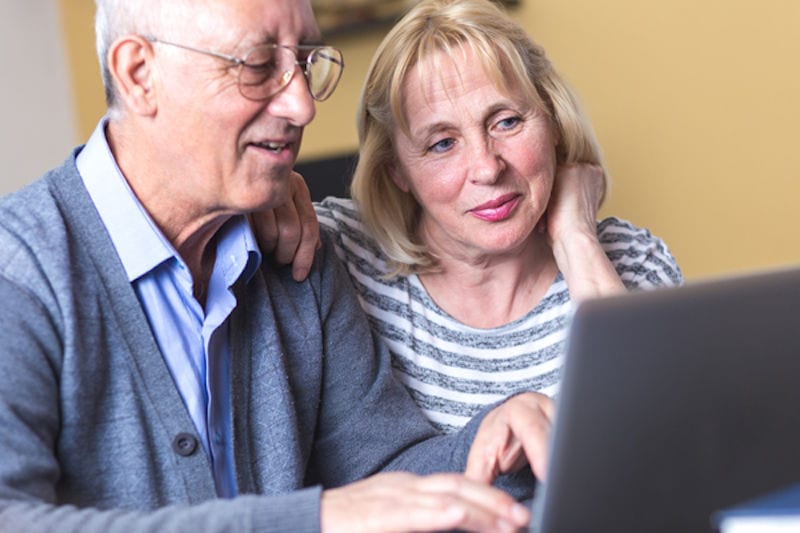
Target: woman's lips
{"points": [[498, 209]]}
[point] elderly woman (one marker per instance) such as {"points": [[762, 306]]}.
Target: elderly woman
{"points": [[472, 231]]}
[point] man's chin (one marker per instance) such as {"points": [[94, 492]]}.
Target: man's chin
{"points": [[276, 194]]}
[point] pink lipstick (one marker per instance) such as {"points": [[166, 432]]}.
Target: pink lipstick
{"points": [[498, 209]]}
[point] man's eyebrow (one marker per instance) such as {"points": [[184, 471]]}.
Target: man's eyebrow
{"points": [[314, 38], [316, 41], [312, 41]]}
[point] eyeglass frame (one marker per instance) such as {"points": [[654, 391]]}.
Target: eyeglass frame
{"points": [[286, 77]]}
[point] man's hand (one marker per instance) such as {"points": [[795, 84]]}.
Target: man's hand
{"points": [[398, 501], [290, 232], [512, 435]]}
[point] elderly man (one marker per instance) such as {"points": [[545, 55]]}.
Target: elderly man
{"points": [[154, 373]]}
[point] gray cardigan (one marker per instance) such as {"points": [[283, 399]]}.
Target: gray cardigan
{"points": [[94, 435]]}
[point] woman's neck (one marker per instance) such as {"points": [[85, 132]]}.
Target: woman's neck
{"points": [[489, 292]]}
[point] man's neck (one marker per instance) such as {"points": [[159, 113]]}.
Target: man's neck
{"points": [[190, 228]]}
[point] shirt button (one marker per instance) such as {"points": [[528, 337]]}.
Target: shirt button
{"points": [[184, 444]]}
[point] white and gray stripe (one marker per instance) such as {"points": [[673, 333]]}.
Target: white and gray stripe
{"points": [[453, 370]]}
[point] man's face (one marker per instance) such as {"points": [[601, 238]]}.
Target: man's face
{"points": [[229, 154]]}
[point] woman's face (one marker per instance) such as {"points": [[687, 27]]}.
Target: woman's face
{"points": [[479, 162]]}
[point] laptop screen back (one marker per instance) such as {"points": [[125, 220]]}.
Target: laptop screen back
{"points": [[674, 404]]}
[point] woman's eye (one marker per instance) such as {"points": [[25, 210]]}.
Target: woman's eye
{"points": [[508, 122], [441, 146]]}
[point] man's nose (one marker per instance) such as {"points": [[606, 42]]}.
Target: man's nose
{"points": [[294, 101]]}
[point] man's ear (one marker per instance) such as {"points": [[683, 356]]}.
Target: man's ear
{"points": [[130, 61]]}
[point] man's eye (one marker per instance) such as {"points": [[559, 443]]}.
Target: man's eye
{"points": [[266, 66], [258, 73]]}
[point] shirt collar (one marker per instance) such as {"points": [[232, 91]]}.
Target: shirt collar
{"points": [[237, 252], [139, 243]]}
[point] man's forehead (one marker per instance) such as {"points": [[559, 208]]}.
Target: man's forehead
{"points": [[284, 21]]}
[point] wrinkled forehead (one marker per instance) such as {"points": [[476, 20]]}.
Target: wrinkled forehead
{"points": [[441, 72], [446, 58], [243, 22]]}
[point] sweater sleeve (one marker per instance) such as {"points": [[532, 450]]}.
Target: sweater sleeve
{"points": [[368, 421], [39, 392], [30, 472]]}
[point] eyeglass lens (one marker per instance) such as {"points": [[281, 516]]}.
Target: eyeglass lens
{"points": [[269, 68]]}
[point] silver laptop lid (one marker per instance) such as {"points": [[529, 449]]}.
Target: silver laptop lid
{"points": [[674, 404]]}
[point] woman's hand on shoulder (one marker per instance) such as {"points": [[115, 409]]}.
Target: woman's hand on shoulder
{"points": [[290, 233]]}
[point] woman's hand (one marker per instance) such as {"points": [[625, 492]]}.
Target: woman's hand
{"points": [[290, 232], [577, 192], [513, 434], [571, 226]]}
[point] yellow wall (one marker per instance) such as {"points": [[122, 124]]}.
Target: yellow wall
{"points": [[694, 101], [78, 19]]}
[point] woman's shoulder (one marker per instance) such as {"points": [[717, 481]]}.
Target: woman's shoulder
{"points": [[340, 220], [640, 257], [614, 230], [333, 211], [340, 217]]}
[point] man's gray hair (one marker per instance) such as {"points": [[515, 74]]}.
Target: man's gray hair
{"points": [[114, 18]]}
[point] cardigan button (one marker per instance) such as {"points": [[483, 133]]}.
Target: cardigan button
{"points": [[184, 444]]}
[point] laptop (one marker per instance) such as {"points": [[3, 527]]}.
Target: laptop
{"points": [[675, 403]]}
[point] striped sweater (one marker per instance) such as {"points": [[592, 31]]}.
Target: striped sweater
{"points": [[451, 369]]}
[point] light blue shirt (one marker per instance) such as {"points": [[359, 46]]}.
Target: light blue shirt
{"points": [[194, 342]]}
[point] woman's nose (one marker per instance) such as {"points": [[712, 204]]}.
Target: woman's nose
{"points": [[487, 164]]}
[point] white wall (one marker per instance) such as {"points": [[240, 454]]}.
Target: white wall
{"points": [[37, 122]]}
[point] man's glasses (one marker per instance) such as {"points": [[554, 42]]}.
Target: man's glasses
{"points": [[266, 69]]}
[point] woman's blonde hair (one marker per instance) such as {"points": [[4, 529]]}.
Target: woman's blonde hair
{"points": [[509, 57]]}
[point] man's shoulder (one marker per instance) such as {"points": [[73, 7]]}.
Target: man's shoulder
{"points": [[28, 216], [35, 222], [34, 199], [40, 202]]}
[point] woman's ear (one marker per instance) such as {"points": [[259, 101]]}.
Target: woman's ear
{"points": [[130, 61], [398, 177]]}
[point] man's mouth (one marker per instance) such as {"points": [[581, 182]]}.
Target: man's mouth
{"points": [[275, 147]]}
